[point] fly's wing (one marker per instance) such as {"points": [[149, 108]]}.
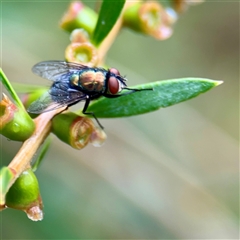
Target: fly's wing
{"points": [[53, 70], [42, 103], [50, 101], [60, 94]]}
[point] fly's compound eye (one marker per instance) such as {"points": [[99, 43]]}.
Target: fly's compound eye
{"points": [[114, 71], [113, 85]]}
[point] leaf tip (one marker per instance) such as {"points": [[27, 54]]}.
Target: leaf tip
{"points": [[218, 82]]}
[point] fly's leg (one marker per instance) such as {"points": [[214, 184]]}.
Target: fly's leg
{"points": [[90, 113]]}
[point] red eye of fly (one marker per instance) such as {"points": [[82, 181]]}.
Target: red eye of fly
{"points": [[114, 71], [113, 85]]}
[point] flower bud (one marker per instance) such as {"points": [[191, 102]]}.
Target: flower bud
{"points": [[75, 130], [149, 18], [79, 16], [24, 195], [16, 124], [83, 53]]}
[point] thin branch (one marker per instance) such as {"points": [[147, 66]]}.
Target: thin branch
{"points": [[24, 156]]}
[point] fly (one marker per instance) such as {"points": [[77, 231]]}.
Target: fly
{"points": [[74, 82]]}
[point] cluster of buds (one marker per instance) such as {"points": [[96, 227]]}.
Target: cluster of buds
{"points": [[147, 17], [75, 130], [80, 21]]}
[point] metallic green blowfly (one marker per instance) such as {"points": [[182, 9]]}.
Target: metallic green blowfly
{"points": [[74, 82]]}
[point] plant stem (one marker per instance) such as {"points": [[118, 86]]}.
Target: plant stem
{"points": [[24, 156]]}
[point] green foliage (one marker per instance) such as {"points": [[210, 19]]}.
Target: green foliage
{"points": [[42, 153], [164, 94], [109, 13], [6, 177], [10, 89]]}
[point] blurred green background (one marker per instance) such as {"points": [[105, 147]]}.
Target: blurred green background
{"points": [[170, 174]]}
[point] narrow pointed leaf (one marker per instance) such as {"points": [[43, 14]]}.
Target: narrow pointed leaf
{"points": [[164, 94], [109, 13], [42, 154], [6, 176], [10, 89]]}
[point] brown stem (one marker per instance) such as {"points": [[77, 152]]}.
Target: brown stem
{"points": [[24, 156]]}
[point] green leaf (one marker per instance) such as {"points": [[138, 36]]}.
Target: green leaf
{"points": [[42, 154], [6, 177], [10, 89], [109, 13], [165, 93]]}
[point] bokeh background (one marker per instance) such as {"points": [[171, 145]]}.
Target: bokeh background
{"points": [[170, 174]]}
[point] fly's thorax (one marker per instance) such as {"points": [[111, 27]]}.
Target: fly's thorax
{"points": [[74, 79], [89, 80]]}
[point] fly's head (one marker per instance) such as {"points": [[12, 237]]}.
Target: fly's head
{"points": [[115, 83]]}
